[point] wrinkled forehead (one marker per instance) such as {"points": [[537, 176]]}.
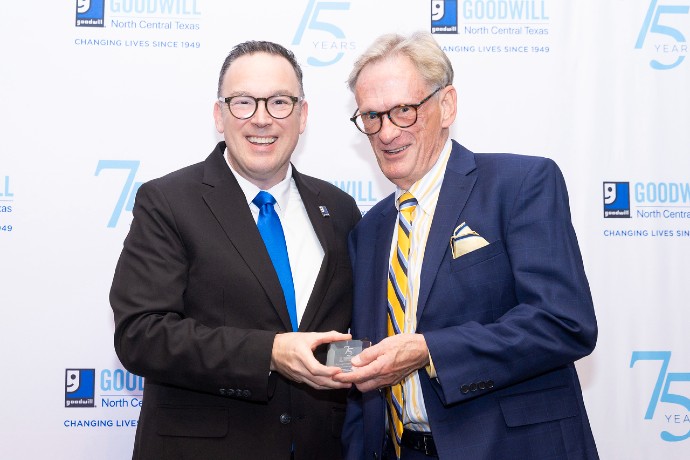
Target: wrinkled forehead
{"points": [[389, 82]]}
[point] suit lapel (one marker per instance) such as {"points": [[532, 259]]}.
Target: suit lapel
{"points": [[228, 204], [458, 182], [384, 232], [323, 228]]}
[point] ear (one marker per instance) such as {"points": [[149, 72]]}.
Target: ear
{"points": [[449, 105], [218, 117], [304, 110]]}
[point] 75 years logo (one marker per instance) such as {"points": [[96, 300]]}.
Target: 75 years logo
{"points": [[335, 44], [668, 42], [129, 189], [663, 392]]}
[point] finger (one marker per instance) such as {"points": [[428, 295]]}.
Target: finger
{"points": [[345, 377], [369, 385], [367, 356], [331, 336], [319, 370], [327, 384], [357, 375]]}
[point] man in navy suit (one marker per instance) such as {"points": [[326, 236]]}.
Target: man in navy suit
{"points": [[495, 303]]}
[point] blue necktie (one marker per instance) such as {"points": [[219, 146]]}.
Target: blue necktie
{"points": [[272, 233]]}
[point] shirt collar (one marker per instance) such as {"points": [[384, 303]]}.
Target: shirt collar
{"points": [[426, 189], [280, 191]]}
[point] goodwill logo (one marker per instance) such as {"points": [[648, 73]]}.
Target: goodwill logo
{"points": [[79, 387], [662, 31], [125, 201], [675, 407], [119, 390], [494, 27], [665, 204], [444, 16], [317, 20], [90, 13], [616, 199], [167, 24]]}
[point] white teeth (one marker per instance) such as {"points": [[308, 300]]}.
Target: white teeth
{"points": [[262, 140], [397, 150]]}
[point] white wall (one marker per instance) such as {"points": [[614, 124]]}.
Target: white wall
{"points": [[583, 93]]}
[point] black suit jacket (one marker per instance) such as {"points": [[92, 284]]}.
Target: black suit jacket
{"points": [[197, 304]]}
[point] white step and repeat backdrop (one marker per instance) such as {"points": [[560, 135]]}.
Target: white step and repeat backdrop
{"points": [[99, 96]]}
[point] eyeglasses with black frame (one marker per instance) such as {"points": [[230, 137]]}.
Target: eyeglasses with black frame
{"points": [[244, 107], [402, 116]]}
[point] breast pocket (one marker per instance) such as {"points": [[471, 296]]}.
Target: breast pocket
{"points": [[481, 282], [477, 256]]}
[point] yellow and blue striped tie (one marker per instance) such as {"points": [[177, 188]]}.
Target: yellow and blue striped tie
{"points": [[397, 300]]}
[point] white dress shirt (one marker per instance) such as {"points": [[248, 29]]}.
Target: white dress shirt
{"points": [[304, 248], [426, 190]]}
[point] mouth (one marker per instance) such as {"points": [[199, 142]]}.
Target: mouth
{"points": [[395, 151], [257, 140]]}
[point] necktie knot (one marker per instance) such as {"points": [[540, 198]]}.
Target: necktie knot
{"points": [[407, 205], [263, 198]]}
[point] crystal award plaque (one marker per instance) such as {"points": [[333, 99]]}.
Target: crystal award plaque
{"points": [[340, 353]]}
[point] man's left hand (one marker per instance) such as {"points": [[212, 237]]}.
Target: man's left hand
{"points": [[387, 362]]}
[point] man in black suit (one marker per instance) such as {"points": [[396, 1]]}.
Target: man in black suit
{"points": [[199, 308]]}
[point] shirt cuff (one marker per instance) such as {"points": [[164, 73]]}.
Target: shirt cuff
{"points": [[430, 369]]}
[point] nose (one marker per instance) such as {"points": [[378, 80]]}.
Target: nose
{"points": [[261, 117], [388, 130]]}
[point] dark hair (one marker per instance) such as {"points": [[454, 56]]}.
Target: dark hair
{"points": [[251, 47]]}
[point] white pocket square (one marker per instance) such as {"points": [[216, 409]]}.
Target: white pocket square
{"points": [[465, 240]]}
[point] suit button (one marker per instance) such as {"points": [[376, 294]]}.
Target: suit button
{"points": [[230, 392], [222, 391], [482, 385], [489, 383], [246, 393], [285, 419], [465, 389], [473, 387]]}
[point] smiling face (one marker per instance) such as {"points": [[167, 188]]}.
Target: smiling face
{"points": [[260, 147], [71, 380], [405, 155]]}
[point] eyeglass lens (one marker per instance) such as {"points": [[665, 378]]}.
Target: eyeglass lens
{"points": [[402, 117], [245, 106]]}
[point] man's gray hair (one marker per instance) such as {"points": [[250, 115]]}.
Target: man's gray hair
{"points": [[420, 47]]}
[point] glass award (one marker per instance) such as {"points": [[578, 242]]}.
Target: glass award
{"points": [[340, 353]]}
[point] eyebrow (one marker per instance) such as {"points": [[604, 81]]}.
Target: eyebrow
{"points": [[280, 92], [390, 107]]}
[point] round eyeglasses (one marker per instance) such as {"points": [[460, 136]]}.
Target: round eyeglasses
{"points": [[402, 116], [243, 107]]}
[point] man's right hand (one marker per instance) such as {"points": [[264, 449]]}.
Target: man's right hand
{"points": [[293, 357]]}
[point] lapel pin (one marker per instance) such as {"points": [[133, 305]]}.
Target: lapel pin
{"points": [[324, 211]]}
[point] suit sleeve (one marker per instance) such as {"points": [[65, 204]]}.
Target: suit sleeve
{"points": [[551, 320], [153, 336]]}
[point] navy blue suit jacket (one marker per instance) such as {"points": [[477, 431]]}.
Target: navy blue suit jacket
{"points": [[503, 323]]}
